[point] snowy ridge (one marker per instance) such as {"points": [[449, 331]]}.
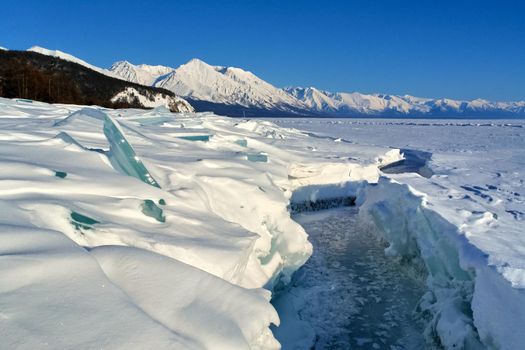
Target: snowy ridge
{"points": [[341, 103], [71, 58]]}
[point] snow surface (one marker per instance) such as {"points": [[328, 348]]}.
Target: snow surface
{"points": [[93, 256]]}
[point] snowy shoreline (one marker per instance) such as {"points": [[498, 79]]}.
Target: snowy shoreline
{"points": [[227, 236]]}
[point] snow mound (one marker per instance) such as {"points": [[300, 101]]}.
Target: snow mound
{"points": [[223, 309]]}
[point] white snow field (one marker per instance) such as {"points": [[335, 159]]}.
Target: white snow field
{"points": [[143, 229]]}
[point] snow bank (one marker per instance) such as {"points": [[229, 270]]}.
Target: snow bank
{"points": [[53, 294], [182, 297]]}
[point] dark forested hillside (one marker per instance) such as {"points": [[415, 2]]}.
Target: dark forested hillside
{"points": [[34, 76]]}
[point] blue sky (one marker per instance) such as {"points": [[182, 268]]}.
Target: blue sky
{"points": [[456, 49]]}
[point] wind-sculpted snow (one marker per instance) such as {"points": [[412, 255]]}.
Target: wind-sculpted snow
{"points": [[218, 223]]}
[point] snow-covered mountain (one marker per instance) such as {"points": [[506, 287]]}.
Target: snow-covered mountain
{"points": [[141, 74], [234, 91], [197, 80], [341, 103], [227, 85]]}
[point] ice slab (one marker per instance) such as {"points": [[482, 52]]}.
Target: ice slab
{"points": [[204, 138], [122, 155], [414, 162], [241, 142], [61, 174], [82, 221], [257, 157], [149, 208]]}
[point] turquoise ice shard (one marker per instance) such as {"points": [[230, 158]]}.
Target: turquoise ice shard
{"points": [[257, 157], [82, 221], [60, 174], [204, 138], [241, 142], [121, 154], [149, 208]]}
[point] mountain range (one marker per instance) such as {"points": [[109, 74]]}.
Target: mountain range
{"points": [[236, 92]]}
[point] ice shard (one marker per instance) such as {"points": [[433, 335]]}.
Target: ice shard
{"points": [[204, 138], [60, 174], [257, 157], [82, 221], [149, 208], [122, 156], [241, 142]]}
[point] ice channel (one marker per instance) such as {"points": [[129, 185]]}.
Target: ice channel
{"points": [[350, 295]]}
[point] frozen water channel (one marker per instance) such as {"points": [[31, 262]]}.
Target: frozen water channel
{"points": [[349, 295]]}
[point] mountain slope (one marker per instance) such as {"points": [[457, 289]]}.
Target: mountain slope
{"points": [[71, 58], [48, 78], [198, 80]]}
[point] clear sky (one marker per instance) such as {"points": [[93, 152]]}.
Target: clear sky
{"points": [[456, 49]]}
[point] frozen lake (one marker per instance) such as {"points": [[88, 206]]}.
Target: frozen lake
{"points": [[349, 294], [432, 135]]}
